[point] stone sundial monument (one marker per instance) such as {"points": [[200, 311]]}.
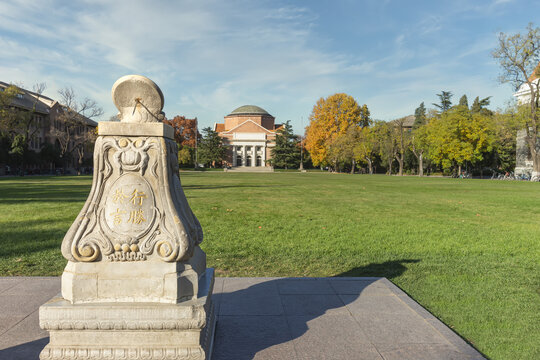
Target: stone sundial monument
{"points": [[136, 284]]}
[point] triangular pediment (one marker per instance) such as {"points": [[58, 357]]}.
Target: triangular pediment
{"points": [[248, 126]]}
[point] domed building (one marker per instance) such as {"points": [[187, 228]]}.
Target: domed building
{"points": [[249, 133]]}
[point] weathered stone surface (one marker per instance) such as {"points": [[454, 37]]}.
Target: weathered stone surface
{"points": [[136, 284]]}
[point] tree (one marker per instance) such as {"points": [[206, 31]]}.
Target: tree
{"points": [[365, 147], [401, 140], [341, 150], [330, 118], [185, 156], [419, 146], [286, 152], [419, 115], [458, 136], [185, 130], [387, 146], [445, 101], [22, 124], [71, 131], [211, 149], [518, 56], [480, 105], [463, 101], [506, 125]]}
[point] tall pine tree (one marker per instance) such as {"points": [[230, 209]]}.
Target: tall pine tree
{"points": [[286, 153], [445, 98], [419, 116], [211, 151]]}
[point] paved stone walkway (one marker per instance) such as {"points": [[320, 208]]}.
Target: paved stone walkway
{"points": [[274, 318]]}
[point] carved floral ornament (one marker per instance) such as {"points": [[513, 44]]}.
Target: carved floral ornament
{"points": [[133, 213]]}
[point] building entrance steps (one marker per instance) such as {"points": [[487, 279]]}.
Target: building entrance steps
{"points": [[251, 169], [274, 318]]}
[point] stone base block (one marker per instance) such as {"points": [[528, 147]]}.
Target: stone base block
{"points": [[131, 330], [133, 281]]}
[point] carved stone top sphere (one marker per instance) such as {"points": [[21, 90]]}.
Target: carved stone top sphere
{"points": [[138, 99]]}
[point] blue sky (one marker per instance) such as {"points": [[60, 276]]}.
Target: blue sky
{"points": [[209, 57]]}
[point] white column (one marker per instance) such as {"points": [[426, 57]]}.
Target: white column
{"points": [[263, 159], [233, 155], [244, 155], [254, 156]]}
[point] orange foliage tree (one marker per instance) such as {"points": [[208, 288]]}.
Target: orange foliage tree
{"points": [[330, 119], [185, 130]]}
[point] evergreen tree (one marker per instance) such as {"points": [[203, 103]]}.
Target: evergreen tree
{"points": [[286, 153], [463, 101], [479, 105], [419, 115], [445, 100], [211, 150]]}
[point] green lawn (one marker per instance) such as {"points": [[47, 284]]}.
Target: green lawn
{"points": [[467, 250]]}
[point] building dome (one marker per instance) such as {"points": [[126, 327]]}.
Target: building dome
{"points": [[249, 110]]}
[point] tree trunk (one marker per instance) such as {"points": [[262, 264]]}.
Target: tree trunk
{"points": [[390, 166], [459, 170], [400, 161], [420, 164], [370, 165], [353, 165], [535, 176]]}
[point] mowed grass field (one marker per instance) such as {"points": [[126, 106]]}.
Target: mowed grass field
{"points": [[467, 250]]}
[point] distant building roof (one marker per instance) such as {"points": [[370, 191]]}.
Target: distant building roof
{"points": [[408, 122], [249, 110], [219, 127], [28, 99]]}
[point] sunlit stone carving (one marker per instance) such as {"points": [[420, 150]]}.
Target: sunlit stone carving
{"points": [[134, 248]]}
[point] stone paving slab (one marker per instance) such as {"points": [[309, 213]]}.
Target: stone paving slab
{"points": [[274, 318]]}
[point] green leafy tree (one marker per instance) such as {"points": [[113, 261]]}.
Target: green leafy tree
{"points": [[22, 124], [211, 150], [185, 156], [419, 146], [445, 98], [479, 106], [341, 150], [458, 136], [506, 126], [518, 56], [365, 147], [419, 115], [286, 152], [401, 139], [384, 133], [463, 101]]}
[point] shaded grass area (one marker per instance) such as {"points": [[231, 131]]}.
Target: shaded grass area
{"points": [[467, 250]]}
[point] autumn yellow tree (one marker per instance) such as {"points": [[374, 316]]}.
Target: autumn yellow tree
{"points": [[330, 119]]}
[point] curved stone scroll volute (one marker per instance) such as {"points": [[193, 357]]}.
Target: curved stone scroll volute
{"points": [[136, 210]]}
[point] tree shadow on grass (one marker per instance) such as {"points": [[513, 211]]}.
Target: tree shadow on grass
{"points": [[25, 193]]}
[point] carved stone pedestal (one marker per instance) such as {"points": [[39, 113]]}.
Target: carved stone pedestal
{"points": [[131, 330], [136, 284]]}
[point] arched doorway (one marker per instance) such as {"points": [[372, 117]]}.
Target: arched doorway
{"points": [[259, 161], [239, 161], [248, 160]]}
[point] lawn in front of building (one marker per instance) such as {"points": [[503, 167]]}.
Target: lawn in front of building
{"points": [[467, 250]]}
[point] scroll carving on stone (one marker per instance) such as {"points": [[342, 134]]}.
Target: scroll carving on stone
{"points": [[125, 217]]}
